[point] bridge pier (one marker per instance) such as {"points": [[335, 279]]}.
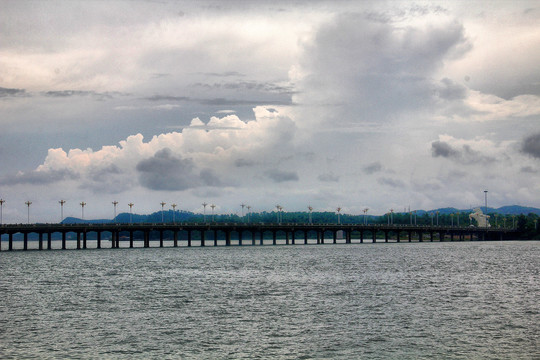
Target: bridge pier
{"points": [[189, 238], [397, 236], [49, 240], [78, 240], [305, 237], [253, 238], [293, 237], [348, 235], [420, 236], [431, 236], [203, 237], [40, 240], [215, 237], [410, 236], [274, 235], [361, 236], [10, 241], [318, 237], [25, 241], [84, 239], [334, 236], [146, 238], [240, 238], [374, 235], [386, 236], [227, 238]]}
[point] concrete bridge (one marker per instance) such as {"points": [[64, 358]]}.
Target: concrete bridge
{"points": [[198, 234]]}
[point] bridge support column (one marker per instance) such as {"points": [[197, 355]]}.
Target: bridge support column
{"points": [[348, 237], [410, 236], [452, 236], [385, 236], [79, 240], [25, 241], [397, 236], [274, 235], [40, 241], [322, 237], [287, 237], [160, 238], [262, 238], [374, 235], [361, 236], [63, 240], [215, 237], [253, 237], [305, 237], [203, 238], [240, 238], [131, 235], [175, 238], [318, 237], [84, 240], [189, 238], [146, 238], [334, 237], [431, 236], [441, 236], [98, 233], [49, 241], [420, 236], [10, 242], [227, 238], [294, 237]]}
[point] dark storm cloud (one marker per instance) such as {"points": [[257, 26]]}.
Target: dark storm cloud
{"points": [[239, 102], [531, 145], [6, 92], [167, 98], [373, 168], [39, 177], [391, 182], [328, 177], [282, 176], [465, 155], [165, 171]]}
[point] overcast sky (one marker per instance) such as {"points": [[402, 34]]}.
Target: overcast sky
{"points": [[356, 104]]}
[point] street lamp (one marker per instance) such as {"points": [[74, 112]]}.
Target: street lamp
{"points": [[173, 213], [249, 213], [213, 207], [28, 203], [243, 206], [82, 210], [338, 213], [437, 218], [114, 203], [458, 219], [62, 202], [365, 212], [392, 216], [485, 195], [130, 213], [204, 211], [162, 205], [310, 217], [2, 201]]}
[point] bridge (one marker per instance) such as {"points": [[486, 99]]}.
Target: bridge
{"points": [[204, 234]]}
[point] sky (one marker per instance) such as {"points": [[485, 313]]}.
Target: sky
{"points": [[353, 104]]}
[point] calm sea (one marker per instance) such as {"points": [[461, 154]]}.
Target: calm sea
{"points": [[466, 300]]}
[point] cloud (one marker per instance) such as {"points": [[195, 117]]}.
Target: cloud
{"points": [[465, 155], [281, 176], [37, 177], [531, 145], [373, 168], [395, 183], [6, 92], [328, 177]]}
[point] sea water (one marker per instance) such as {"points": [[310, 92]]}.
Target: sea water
{"points": [[462, 300]]}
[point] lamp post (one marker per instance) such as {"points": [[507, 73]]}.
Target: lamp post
{"points": [[243, 206], [392, 216], [338, 213], [485, 196], [130, 213], [437, 218], [173, 213], [28, 203], [163, 203], [310, 217], [365, 212], [62, 202], [82, 209], [458, 219], [204, 211], [2, 201], [415, 217], [249, 213], [213, 207], [114, 204]]}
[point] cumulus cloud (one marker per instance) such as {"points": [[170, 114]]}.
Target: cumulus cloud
{"points": [[328, 177], [464, 155], [373, 168], [176, 161], [531, 145]]}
